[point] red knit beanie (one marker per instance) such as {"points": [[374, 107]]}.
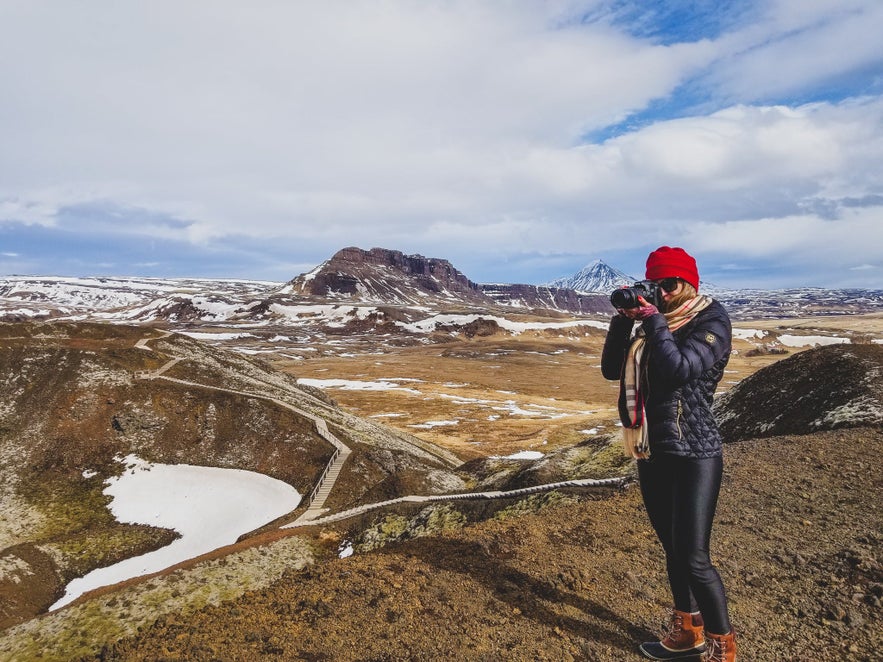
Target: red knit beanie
{"points": [[668, 262]]}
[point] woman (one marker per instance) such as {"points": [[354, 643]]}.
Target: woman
{"points": [[668, 371]]}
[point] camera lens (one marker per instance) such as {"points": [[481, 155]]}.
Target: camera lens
{"points": [[624, 298]]}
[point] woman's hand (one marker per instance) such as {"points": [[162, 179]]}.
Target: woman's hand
{"points": [[642, 312]]}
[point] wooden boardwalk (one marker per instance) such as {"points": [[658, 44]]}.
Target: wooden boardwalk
{"points": [[316, 513]]}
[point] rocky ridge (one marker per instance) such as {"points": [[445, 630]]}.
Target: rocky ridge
{"points": [[827, 388], [380, 275]]}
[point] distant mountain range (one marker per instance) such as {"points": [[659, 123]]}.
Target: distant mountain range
{"points": [[377, 279], [384, 276]]}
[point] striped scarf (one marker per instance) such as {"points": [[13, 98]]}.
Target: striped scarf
{"points": [[634, 433]]}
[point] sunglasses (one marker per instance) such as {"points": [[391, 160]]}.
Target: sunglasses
{"points": [[668, 284]]}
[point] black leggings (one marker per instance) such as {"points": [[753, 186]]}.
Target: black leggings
{"points": [[680, 495]]}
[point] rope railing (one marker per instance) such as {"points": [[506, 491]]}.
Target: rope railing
{"points": [[617, 481]]}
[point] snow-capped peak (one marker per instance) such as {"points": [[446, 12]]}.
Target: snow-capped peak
{"points": [[595, 277]]}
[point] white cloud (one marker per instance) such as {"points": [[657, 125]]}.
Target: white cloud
{"points": [[841, 252], [448, 128], [220, 114], [741, 162], [760, 150], [798, 236], [797, 45], [35, 210]]}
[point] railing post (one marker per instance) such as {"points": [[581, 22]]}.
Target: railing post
{"points": [[324, 475]]}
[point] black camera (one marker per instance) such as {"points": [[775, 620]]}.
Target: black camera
{"points": [[627, 297]]}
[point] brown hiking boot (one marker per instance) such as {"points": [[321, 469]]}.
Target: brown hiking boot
{"points": [[683, 638], [720, 647]]}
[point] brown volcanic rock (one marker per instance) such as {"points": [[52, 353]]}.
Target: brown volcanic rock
{"points": [[389, 276], [838, 386]]}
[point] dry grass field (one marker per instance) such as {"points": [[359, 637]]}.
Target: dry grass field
{"points": [[870, 323], [494, 395]]}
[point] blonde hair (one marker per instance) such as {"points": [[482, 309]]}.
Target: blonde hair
{"points": [[687, 292]]}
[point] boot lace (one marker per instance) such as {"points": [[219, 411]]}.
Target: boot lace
{"points": [[674, 628], [716, 650], [675, 625]]}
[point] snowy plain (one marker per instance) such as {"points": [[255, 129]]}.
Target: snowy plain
{"points": [[432, 323], [357, 385], [209, 507]]}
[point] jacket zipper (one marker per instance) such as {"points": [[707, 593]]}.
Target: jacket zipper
{"points": [[680, 410]]}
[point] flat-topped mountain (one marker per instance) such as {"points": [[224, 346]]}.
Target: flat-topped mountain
{"points": [[387, 276]]}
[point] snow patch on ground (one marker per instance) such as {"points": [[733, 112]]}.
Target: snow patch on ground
{"points": [[208, 506], [355, 385], [809, 341], [748, 334], [514, 409], [330, 314], [428, 425], [521, 455], [862, 411], [205, 335], [27, 312], [430, 324]]}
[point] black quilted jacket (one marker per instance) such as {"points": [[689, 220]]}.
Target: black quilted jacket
{"points": [[683, 371]]}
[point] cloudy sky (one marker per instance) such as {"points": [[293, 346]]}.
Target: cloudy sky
{"points": [[519, 139]]}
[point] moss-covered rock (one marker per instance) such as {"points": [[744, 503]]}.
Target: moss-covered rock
{"points": [[432, 520]]}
